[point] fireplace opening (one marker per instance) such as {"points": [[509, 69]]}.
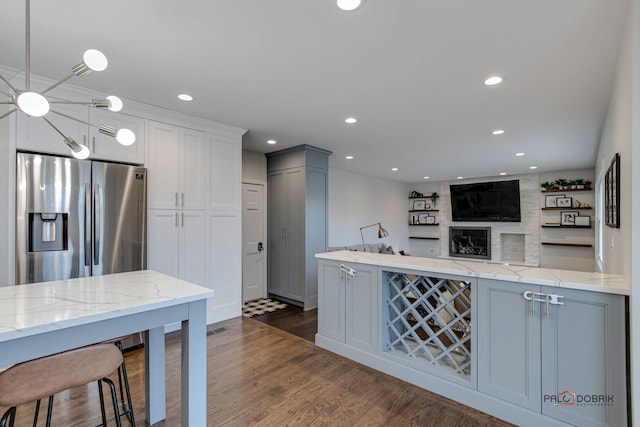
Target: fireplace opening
{"points": [[470, 242]]}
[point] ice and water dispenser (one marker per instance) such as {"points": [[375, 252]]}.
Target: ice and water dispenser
{"points": [[48, 232]]}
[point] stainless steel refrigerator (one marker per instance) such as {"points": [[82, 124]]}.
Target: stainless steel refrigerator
{"points": [[78, 218]]}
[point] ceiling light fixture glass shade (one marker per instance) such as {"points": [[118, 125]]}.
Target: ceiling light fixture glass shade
{"points": [[349, 5], [32, 104], [35, 104], [115, 103]]}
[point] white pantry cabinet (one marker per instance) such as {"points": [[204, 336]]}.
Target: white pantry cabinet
{"points": [[176, 164], [177, 244]]}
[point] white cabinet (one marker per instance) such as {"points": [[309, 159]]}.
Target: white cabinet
{"points": [[34, 134], [177, 174], [224, 191], [177, 244], [104, 147], [554, 351], [348, 304]]}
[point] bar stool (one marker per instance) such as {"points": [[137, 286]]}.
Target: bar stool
{"points": [[35, 379]]}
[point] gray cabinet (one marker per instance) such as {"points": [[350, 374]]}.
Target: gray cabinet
{"points": [[297, 222], [554, 351], [348, 304]]}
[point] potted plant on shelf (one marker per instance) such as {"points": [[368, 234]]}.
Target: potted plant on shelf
{"points": [[587, 185], [434, 199], [561, 183], [547, 186], [579, 184]]}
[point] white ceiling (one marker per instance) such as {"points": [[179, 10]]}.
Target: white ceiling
{"points": [[411, 71]]}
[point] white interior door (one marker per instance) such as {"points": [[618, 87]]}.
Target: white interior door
{"points": [[253, 242]]}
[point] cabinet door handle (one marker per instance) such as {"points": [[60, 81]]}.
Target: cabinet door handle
{"points": [[176, 223], [93, 142], [176, 199], [182, 219], [553, 299], [348, 270], [182, 199]]}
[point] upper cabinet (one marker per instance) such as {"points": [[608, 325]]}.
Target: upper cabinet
{"points": [[104, 147], [35, 134], [176, 166], [224, 192]]}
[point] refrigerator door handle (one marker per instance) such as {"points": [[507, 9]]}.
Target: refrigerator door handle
{"points": [[96, 224], [87, 230]]}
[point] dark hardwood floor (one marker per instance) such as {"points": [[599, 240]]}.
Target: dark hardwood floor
{"points": [[303, 324], [260, 375]]}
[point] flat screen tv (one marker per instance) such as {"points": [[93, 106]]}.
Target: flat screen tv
{"points": [[497, 201]]}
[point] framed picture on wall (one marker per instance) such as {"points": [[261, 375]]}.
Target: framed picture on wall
{"points": [[550, 201], [564, 202], [423, 218], [582, 221], [419, 205], [568, 218], [612, 193], [431, 220]]}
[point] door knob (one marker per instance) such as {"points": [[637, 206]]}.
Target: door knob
{"points": [[260, 248]]}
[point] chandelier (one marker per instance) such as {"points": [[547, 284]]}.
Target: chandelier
{"points": [[36, 104]]}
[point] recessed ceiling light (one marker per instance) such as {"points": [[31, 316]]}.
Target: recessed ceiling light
{"points": [[350, 120], [348, 157], [394, 169], [533, 167], [426, 177], [460, 177], [272, 142], [498, 132], [503, 173], [349, 5], [185, 97], [493, 80], [519, 154]]}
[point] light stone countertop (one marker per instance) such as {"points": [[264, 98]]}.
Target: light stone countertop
{"points": [[42, 307], [586, 281]]}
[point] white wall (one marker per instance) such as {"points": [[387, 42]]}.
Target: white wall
{"points": [[357, 200], [616, 138], [621, 134], [567, 257], [420, 247], [254, 166]]}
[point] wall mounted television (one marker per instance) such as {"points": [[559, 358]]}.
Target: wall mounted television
{"points": [[497, 201]]}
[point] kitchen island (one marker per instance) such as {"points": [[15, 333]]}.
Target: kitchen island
{"points": [[529, 345], [40, 319]]}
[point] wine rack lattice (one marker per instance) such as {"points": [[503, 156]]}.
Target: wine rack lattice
{"points": [[429, 319]]}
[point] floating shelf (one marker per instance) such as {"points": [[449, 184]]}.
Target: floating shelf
{"points": [[423, 225], [566, 209], [428, 210], [574, 245], [560, 191], [565, 226], [424, 238]]}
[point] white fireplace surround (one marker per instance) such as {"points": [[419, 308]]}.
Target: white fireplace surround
{"points": [[511, 242]]}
